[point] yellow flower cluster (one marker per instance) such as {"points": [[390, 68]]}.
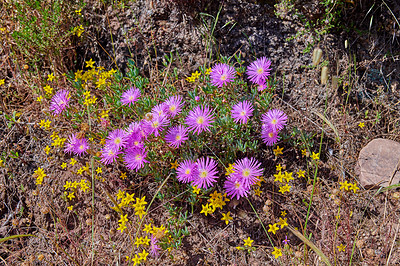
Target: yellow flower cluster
{"points": [[83, 184], [83, 169], [217, 200], [95, 75], [127, 199], [194, 76], [45, 124], [284, 178], [48, 90], [40, 175], [140, 206], [349, 186], [277, 252], [230, 170], [257, 190], [275, 227], [247, 245], [122, 223], [157, 232], [89, 100], [57, 141], [78, 30]]}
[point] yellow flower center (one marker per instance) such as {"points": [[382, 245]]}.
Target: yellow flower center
{"points": [[274, 121], [81, 147], [172, 108], [246, 172], [110, 153], [237, 185], [136, 143], [260, 70], [117, 140], [138, 157], [187, 171], [223, 77], [178, 137], [155, 124], [200, 120], [271, 134], [242, 113], [203, 174]]}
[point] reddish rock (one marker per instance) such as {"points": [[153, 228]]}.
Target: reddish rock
{"points": [[378, 161]]}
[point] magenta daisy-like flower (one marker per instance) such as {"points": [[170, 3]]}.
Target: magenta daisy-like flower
{"points": [[242, 111], [174, 105], [81, 146], [261, 87], [135, 158], [269, 136], [117, 139], [187, 171], [259, 70], [199, 119], [155, 125], [235, 188], [70, 145], [130, 96], [135, 140], [207, 173], [75, 145], [59, 102], [274, 119], [246, 171], [159, 110], [222, 74], [176, 136], [109, 155], [154, 248]]}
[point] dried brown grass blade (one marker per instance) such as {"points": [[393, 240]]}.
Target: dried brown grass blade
{"points": [[311, 245]]}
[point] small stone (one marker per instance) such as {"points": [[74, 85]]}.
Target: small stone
{"points": [[377, 162], [40, 257], [396, 195], [298, 254], [370, 252], [360, 243], [89, 222]]}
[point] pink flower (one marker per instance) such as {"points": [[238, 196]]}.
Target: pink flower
{"points": [[274, 119], [235, 188], [59, 102], [207, 173], [199, 119], [176, 136], [187, 171], [174, 105], [135, 158], [242, 111], [222, 74], [109, 155], [259, 70], [154, 248], [246, 171], [130, 96], [269, 136], [117, 139]]}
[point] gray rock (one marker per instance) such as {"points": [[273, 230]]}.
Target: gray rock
{"points": [[378, 161]]}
